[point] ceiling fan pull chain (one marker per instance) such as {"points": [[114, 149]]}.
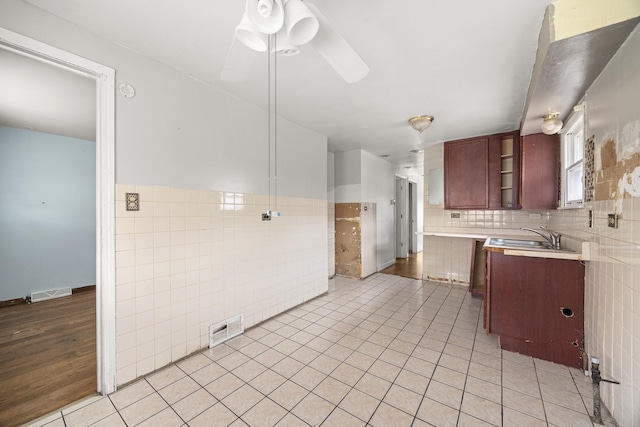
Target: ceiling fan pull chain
{"points": [[275, 118]]}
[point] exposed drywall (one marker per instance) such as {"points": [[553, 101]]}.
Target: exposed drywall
{"points": [[612, 106], [348, 240], [47, 220], [617, 179]]}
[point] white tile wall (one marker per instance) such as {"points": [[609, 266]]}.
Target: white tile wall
{"points": [[189, 259], [448, 259], [612, 299]]}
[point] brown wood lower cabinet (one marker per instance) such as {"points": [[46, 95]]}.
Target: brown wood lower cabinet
{"points": [[536, 306]]}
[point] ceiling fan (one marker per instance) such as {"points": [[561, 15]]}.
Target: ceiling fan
{"points": [[294, 23]]}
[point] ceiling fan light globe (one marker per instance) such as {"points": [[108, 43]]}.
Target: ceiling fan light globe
{"points": [[249, 36], [265, 7], [301, 24], [269, 24]]}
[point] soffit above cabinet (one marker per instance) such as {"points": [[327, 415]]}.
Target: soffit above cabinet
{"points": [[577, 40]]}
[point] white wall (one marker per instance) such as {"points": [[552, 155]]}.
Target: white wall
{"points": [[612, 294], [331, 214], [47, 220], [197, 251], [362, 177], [175, 124], [378, 186], [348, 176], [331, 177]]}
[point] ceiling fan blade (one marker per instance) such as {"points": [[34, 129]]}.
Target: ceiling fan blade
{"points": [[336, 51], [239, 62]]}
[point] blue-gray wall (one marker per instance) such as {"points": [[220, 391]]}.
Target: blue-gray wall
{"points": [[47, 215]]}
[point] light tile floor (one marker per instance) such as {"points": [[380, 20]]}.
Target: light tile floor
{"points": [[385, 351]]}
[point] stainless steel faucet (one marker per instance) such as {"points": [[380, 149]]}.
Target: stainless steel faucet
{"points": [[554, 238]]}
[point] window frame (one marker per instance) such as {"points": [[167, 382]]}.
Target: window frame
{"points": [[574, 125]]}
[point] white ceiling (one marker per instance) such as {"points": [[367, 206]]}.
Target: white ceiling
{"points": [[468, 63], [41, 97]]}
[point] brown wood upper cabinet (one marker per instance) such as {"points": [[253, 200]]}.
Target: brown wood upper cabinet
{"points": [[502, 171], [482, 172], [540, 171]]}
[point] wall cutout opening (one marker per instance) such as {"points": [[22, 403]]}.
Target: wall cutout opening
{"points": [[566, 312]]}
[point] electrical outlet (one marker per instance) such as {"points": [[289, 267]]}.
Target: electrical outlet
{"points": [[455, 214], [612, 220], [132, 201], [266, 217]]}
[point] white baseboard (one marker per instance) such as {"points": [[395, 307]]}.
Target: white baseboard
{"points": [[386, 264]]}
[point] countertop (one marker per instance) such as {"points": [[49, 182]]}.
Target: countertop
{"points": [[580, 250]]}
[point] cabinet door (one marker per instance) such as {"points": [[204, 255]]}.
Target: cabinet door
{"points": [[537, 306], [465, 174], [540, 170]]}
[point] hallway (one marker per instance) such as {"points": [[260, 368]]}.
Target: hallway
{"points": [[410, 267]]}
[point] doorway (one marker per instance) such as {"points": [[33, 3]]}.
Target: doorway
{"points": [[402, 217], [104, 78], [408, 261]]}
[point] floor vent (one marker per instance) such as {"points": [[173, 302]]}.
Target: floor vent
{"points": [[225, 330], [45, 295]]}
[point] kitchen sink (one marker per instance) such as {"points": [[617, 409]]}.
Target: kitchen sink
{"points": [[508, 243]]}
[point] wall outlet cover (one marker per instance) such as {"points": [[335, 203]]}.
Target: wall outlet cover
{"points": [[612, 220], [266, 217], [455, 214], [132, 201]]}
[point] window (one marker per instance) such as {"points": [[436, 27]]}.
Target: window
{"points": [[573, 161]]}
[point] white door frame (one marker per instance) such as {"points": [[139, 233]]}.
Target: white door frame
{"points": [[413, 216], [105, 181]]}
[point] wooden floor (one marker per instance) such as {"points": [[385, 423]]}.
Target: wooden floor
{"points": [[47, 356], [407, 267]]}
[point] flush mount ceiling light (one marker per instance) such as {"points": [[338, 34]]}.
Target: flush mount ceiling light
{"points": [[416, 151], [296, 23], [384, 156], [551, 123], [421, 123]]}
